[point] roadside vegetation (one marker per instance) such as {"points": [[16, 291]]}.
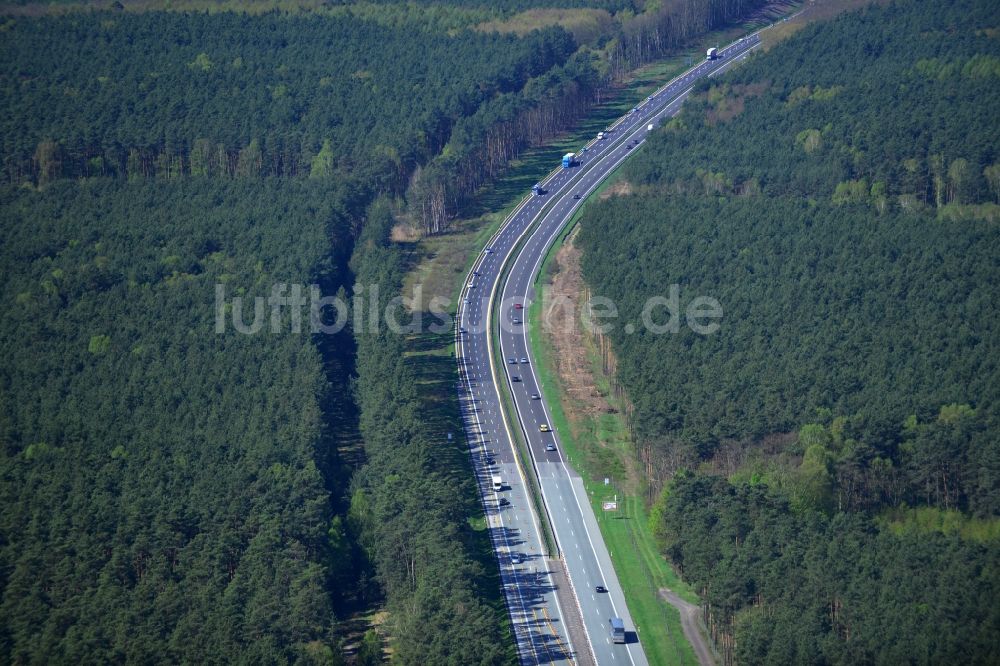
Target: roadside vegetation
{"points": [[415, 500]]}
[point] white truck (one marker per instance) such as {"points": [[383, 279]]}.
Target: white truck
{"points": [[712, 53], [617, 630], [497, 483]]}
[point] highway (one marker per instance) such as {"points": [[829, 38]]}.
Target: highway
{"points": [[536, 604]]}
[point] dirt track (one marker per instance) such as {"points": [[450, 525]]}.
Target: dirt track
{"points": [[689, 622]]}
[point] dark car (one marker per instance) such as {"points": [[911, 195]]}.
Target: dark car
{"points": [[504, 501], [515, 378], [576, 196], [600, 589]]}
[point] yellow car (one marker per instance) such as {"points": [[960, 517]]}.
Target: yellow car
{"points": [[544, 427]]}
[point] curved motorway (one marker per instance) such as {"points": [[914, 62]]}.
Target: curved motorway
{"points": [[553, 621]]}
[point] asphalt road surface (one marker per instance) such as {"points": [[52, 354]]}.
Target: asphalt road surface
{"points": [[534, 603]]}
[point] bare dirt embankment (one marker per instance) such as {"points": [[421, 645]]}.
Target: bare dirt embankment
{"points": [[564, 298], [572, 353], [621, 188]]}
